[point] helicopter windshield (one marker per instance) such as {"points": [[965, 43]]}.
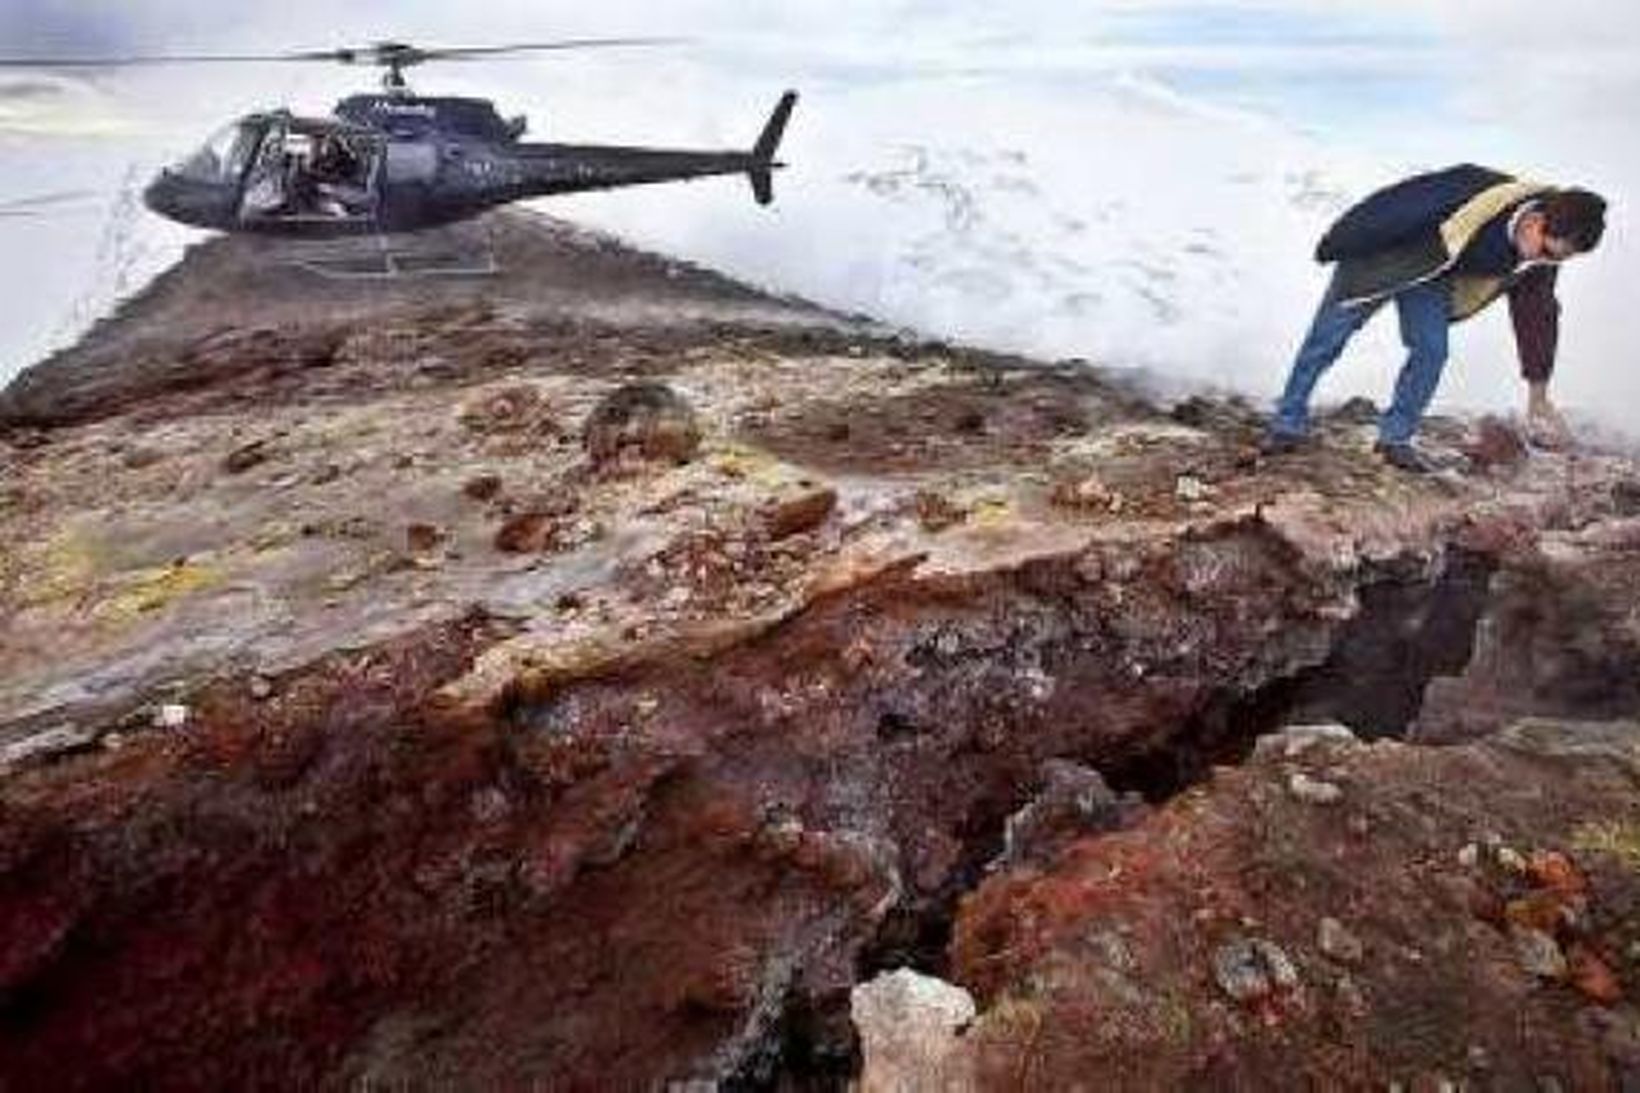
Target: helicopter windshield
{"points": [[224, 157]]}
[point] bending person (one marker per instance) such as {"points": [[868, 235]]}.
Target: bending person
{"points": [[1442, 246]]}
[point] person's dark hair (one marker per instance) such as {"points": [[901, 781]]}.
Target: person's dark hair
{"points": [[1577, 216]]}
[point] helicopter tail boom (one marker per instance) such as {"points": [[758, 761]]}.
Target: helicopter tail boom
{"points": [[545, 169]]}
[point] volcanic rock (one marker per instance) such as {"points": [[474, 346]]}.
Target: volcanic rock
{"points": [[1074, 802], [527, 533], [1356, 411], [1251, 970], [1313, 790], [1496, 443], [1557, 637], [484, 487], [1538, 953], [423, 538], [909, 1027], [644, 805], [1238, 850], [645, 421], [1083, 492], [514, 408], [246, 456], [799, 514], [936, 512], [1593, 976], [1337, 942]]}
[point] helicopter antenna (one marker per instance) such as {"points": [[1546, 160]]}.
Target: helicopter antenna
{"points": [[395, 57]]}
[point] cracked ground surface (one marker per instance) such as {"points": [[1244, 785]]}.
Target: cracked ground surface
{"points": [[356, 727]]}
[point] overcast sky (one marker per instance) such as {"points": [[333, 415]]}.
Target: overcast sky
{"points": [[1134, 182]]}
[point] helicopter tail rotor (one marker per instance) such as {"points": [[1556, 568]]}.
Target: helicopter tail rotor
{"points": [[761, 173]]}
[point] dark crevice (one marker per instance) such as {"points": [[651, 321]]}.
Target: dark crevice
{"points": [[917, 934], [1405, 636], [893, 725], [1222, 733], [819, 1049], [1408, 631], [912, 936]]}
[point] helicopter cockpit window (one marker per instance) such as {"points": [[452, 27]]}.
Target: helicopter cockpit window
{"points": [[224, 157]]}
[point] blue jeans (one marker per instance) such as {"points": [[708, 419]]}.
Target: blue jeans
{"points": [[1424, 311]]}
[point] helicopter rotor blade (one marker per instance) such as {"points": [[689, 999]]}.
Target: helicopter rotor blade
{"points": [[465, 52], [384, 54], [157, 59]]}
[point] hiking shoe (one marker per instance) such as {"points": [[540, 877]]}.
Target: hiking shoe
{"points": [[1405, 457], [1279, 443]]}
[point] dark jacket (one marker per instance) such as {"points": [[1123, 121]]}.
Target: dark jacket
{"points": [[1409, 211], [1452, 224]]}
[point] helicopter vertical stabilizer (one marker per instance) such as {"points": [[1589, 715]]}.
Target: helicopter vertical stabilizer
{"points": [[761, 172]]}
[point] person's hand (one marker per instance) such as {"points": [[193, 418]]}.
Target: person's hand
{"points": [[1545, 426]]}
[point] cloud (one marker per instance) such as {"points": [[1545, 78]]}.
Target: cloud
{"points": [[60, 28], [49, 106], [1203, 135], [26, 90]]}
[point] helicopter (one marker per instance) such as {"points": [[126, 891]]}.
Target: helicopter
{"points": [[398, 162]]}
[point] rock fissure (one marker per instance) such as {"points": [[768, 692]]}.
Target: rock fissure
{"points": [[831, 654], [640, 771], [1409, 631]]}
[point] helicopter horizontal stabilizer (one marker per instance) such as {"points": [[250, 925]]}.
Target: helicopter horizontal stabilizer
{"points": [[761, 173]]}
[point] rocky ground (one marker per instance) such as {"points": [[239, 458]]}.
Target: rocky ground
{"points": [[601, 675]]}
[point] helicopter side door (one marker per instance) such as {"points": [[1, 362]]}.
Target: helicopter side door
{"points": [[313, 173]]}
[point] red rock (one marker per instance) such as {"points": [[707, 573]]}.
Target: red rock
{"points": [[726, 984], [936, 512], [800, 514], [423, 538], [1555, 872], [1536, 911], [1593, 976], [1498, 534], [526, 533], [1495, 443], [1482, 901], [1269, 866], [724, 821]]}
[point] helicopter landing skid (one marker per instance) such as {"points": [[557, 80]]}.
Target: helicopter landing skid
{"points": [[449, 252]]}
